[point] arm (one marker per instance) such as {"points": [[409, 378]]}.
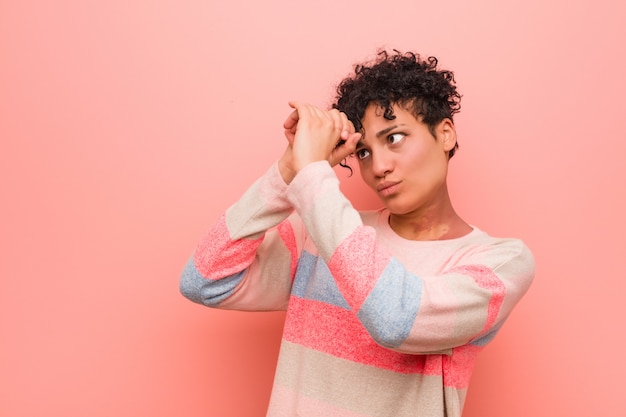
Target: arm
{"points": [[247, 260], [402, 311], [240, 266]]}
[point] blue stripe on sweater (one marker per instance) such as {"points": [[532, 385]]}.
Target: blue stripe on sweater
{"points": [[390, 309], [314, 281], [488, 337], [206, 291]]}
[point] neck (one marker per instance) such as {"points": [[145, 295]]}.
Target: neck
{"points": [[438, 221]]}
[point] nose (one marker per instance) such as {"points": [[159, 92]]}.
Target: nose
{"points": [[382, 163]]}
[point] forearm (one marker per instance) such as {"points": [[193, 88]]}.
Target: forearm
{"points": [[238, 256]]}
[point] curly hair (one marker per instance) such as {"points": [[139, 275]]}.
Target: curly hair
{"points": [[404, 79]]}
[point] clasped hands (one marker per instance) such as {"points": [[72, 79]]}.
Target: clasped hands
{"points": [[315, 135]]}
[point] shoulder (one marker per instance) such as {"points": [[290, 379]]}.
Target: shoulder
{"points": [[507, 257], [501, 247]]}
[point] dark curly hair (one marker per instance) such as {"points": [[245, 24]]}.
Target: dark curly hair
{"points": [[404, 79]]}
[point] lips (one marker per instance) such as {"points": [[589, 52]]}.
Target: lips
{"points": [[387, 188]]}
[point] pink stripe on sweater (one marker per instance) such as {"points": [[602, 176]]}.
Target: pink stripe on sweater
{"points": [[457, 369], [338, 332], [357, 263], [486, 279], [285, 230], [218, 256]]}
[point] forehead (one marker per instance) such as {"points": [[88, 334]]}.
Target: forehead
{"points": [[375, 112], [376, 118]]}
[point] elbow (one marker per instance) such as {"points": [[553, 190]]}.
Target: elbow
{"points": [[387, 330], [201, 290], [388, 338], [389, 311], [191, 283], [398, 336]]}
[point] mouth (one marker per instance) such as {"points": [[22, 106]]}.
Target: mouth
{"points": [[387, 188]]}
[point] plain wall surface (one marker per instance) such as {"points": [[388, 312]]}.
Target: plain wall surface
{"points": [[127, 127]]}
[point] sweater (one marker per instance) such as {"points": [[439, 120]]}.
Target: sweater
{"points": [[375, 325]]}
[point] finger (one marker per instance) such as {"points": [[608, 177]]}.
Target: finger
{"points": [[347, 128], [290, 135], [292, 119], [313, 114], [354, 139], [304, 113], [344, 126], [301, 110], [338, 122], [345, 149]]}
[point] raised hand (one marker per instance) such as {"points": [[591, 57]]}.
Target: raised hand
{"points": [[316, 135]]}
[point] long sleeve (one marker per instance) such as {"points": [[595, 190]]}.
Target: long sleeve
{"points": [[465, 303], [247, 260]]}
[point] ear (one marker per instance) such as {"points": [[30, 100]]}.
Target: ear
{"points": [[446, 134]]}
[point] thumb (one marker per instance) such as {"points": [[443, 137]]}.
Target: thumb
{"points": [[345, 149]]}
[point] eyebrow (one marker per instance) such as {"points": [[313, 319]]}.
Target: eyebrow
{"points": [[386, 130], [383, 132]]}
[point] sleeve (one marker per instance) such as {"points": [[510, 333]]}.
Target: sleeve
{"points": [[247, 260], [402, 311]]}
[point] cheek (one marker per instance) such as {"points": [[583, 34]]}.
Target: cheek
{"points": [[366, 175], [424, 169], [436, 171]]}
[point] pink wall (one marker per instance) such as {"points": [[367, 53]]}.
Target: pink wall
{"points": [[127, 127]]}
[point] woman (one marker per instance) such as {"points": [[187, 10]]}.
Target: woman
{"points": [[388, 309]]}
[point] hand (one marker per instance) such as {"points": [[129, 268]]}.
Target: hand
{"points": [[316, 135]]}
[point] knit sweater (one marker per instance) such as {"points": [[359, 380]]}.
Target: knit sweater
{"points": [[376, 325]]}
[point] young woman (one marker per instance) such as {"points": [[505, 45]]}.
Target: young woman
{"points": [[386, 310]]}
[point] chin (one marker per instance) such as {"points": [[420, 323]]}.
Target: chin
{"points": [[397, 209]]}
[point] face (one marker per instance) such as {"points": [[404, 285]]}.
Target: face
{"points": [[402, 162]]}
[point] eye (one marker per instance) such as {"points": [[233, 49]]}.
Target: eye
{"points": [[395, 138], [362, 153]]}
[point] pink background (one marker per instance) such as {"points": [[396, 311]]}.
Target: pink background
{"points": [[127, 127]]}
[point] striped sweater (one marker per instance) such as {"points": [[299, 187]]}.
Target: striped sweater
{"points": [[376, 325]]}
